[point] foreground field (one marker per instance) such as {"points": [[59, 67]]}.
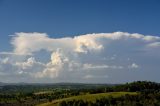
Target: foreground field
{"points": [[88, 97]]}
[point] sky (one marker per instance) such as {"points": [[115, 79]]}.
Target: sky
{"points": [[88, 41]]}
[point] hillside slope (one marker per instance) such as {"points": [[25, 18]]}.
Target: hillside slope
{"points": [[88, 97]]}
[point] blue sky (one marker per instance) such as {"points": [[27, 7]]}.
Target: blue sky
{"points": [[61, 18], [69, 18]]}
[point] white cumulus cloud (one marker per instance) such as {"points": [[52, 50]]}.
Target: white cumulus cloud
{"points": [[81, 57]]}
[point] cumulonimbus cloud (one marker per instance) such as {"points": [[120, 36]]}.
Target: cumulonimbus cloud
{"points": [[84, 55], [27, 43]]}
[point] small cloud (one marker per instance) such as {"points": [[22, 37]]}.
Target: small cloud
{"points": [[88, 76], [5, 60], [91, 66], [154, 44], [134, 65], [95, 76]]}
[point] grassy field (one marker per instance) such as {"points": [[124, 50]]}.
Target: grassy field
{"points": [[88, 97]]}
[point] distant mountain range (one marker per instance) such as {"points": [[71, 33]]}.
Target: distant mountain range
{"points": [[61, 83]]}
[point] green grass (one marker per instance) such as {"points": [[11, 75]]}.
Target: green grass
{"points": [[88, 97]]}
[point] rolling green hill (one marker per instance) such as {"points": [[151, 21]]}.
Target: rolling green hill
{"points": [[88, 97]]}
